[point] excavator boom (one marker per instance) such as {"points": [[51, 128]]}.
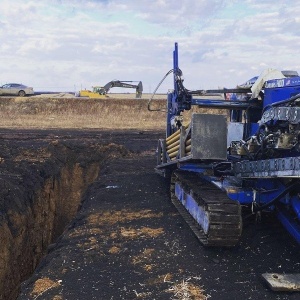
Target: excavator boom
{"points": [[101, 91], [123, 84]]}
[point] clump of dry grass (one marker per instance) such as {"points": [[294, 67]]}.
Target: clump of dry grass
{"points": [[42, 285], [187, 291]]}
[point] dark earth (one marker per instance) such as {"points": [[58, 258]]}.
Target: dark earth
{"points": [[125, 239]]}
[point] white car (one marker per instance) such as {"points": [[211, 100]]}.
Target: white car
{"points": [[16, 89]]}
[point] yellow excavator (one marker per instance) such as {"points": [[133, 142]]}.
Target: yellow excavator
{"points": [[101, 91]]}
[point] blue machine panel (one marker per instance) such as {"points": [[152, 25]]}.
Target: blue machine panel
{"points": [[281, 89]]}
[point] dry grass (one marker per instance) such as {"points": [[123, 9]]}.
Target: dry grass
{"points": [[187, 290], [63, 111], [132, 233], [42, 285], [121, 216], [43, 112], [144, 257], [114, 250]]}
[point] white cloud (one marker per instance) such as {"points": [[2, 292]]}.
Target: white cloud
{"points": [[83, 43]]}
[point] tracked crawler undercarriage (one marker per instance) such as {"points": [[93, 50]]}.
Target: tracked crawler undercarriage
{"points": [[214, 218]]}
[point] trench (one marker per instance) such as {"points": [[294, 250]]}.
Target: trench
{"points": [[38, 213]]}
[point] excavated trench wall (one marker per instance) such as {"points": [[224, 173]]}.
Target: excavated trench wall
{"points": [[32, 218]]}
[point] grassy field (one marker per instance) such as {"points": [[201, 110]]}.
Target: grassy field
{"points": [[66, 112], [118, 111]]}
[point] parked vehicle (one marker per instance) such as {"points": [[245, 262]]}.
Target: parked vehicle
{"points": [[16, 89]]}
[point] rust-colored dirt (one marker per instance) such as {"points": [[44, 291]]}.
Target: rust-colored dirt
{"points": [[86, 210]]}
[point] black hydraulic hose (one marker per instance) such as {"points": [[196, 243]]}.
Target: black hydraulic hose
{"points": [[277, 198], [151, 98]]}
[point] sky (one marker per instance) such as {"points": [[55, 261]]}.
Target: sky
{"points": [[68, 45]]}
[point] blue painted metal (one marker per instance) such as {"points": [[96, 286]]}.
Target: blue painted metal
{"points": [[295, 201], [280, 89], [256, 190], [196, 211], [194, 167], [217, 103], [169, 115], [253, 128], [290, 224], [243, 197], [175, 65]]}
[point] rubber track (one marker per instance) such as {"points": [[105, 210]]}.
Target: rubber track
{"points": [[224, 214]]}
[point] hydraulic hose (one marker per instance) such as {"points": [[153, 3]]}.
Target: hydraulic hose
{"points": [[277, 198], [151, 98]]}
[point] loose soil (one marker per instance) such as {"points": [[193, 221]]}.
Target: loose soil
{"points": [[112, 232]]}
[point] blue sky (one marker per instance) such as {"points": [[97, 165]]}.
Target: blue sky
{"points": [[69, 45]]}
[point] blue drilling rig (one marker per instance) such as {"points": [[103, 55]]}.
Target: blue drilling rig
{"points": [[245, 157]]}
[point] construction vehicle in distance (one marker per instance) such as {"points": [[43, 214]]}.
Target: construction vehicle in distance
{"points": [[243, 160], [101, 91]]}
